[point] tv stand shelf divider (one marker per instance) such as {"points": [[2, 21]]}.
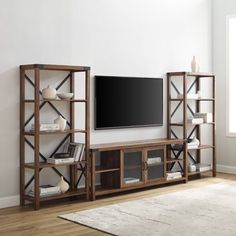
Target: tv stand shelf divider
{"points": [[118, 167]]}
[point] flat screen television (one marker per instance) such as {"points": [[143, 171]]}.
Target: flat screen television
{"points": [[122, 102]]}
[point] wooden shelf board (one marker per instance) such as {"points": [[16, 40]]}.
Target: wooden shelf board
{"points": [[202, 147], [189, 124], [55, 100], [104, 190], [173, 160], [197, 74], [102, 170], [198, 172], [49, 165], [55, 67], [99, 190], [70, 193], [67, 131], [198, 148], [190, 99]]}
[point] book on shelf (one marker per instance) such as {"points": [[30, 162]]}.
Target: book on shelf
{"points": [[195, 121], [130, 180], [46, 190], [203, 167], [207, 117], [61, 155], [60, 160], [154, 160], [76, 150], [46, 127], [173, 175]]}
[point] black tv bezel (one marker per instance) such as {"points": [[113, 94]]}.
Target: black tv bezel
{"points": [[129, 126]]}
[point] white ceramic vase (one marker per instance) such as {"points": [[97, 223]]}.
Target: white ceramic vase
{"points": [[61, 122], [49, 93], [194, 65], [64, 186]]}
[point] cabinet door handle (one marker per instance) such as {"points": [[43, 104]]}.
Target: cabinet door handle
{"points": [[146, 165]]}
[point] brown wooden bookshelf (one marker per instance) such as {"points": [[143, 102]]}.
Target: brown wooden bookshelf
{"points": [[189, 82], [76, 170]]}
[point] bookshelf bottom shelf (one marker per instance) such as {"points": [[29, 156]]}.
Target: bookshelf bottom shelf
{"points": [[70, 193]]}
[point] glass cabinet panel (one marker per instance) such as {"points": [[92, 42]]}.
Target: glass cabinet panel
{"points": [[133, 167], [155, 164]]}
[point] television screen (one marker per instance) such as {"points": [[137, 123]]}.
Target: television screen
{"points": [[128, 102]]}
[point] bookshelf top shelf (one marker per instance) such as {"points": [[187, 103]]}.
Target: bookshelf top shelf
{"points": [[55, 100], [55, 67], [192, 99], [185, 73]]}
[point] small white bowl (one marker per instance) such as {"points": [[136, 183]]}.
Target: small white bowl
{"points": [[65, 95]]}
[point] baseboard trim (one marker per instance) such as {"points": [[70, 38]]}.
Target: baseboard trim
{"points": [[9, 201], [226, 169]]}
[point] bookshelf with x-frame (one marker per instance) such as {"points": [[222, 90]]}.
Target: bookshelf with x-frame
{"points": [[77, 169], [174, 104]]}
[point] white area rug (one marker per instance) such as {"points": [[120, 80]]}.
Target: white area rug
{"points": [[204, 211]]}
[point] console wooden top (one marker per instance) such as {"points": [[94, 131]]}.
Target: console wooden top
{"points": [[134, 144]]}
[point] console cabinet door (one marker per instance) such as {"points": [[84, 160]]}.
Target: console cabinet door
{"points": [[155, 164], [132, 167]]}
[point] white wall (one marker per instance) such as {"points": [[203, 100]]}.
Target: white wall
{"points": [[225, 145], [132, 37]]}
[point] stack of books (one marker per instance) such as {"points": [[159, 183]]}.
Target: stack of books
{"points": [[203, 167], [207, 117], [46, 190], [193, 143], [74, 153], [153, 160], [195, 121], [173, 175], [131, 180]]}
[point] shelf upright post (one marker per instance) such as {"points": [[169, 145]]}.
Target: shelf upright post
{"points": [[168, 117], [22, 143], [185, 151], [73, 168], [198, 88], [87, 133], [36, 138], [214, 128]]}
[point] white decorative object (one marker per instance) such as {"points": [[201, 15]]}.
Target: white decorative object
{"points": [[61, 121], [65, 95], [64, 186], [194, 65], [49, 93], [193, 144], [192, 168]]}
